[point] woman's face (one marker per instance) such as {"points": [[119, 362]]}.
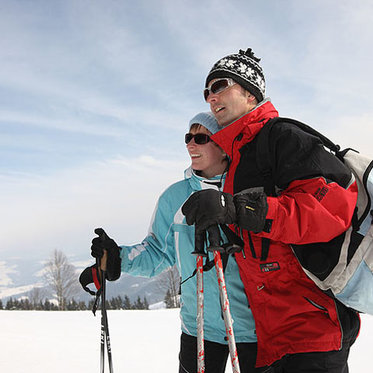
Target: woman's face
{"points": [[207, 158]]}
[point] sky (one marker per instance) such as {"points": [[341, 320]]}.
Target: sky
{"points": [[45, 337], [95, 98]]}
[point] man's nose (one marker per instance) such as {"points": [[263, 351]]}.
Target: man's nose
{"points": [[211, 98]]}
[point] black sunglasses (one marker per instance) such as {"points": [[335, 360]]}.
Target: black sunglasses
{"points": [[218, 86], [199, 138]]}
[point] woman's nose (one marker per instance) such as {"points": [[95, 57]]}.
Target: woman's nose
{"points": [[191, 143]]}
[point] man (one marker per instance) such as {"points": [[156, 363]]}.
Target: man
{"points": [[170, 241], [299, 328]]}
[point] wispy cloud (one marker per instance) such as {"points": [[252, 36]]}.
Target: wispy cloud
{"points": [[61, 210], [95, 99], [5, 271]]}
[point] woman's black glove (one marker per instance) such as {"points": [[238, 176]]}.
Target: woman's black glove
{"points": [[209, 207], [206, 209], [104, 242]]}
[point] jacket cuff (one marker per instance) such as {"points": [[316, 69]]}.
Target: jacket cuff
{"points": [[124, 257], [271, 215], [272, 207]]}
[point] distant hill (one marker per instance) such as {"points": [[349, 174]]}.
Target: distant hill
{"points": [[18, 276]]}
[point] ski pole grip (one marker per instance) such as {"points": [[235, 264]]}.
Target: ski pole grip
{"points": [[103, 236], [214, 237], [199, 243], [103, 261]]}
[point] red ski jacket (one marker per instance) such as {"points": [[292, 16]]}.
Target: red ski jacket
{"points": [[314, 207]]}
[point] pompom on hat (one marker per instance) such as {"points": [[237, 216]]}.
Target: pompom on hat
{"points": [[244, 69], [206, 119]]}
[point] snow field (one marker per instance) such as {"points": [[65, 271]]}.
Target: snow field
{"points": [[141, 341]]}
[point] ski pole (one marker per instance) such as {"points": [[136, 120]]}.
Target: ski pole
{"points": [[200, 317], [214, 238], [226, 312], [105, 336], [200, 254], [103, 307]]}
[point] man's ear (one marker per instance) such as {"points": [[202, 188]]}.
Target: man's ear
{"points": [[250, 98]]}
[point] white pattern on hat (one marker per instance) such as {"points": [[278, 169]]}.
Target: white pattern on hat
{"points": [[243, 68]]}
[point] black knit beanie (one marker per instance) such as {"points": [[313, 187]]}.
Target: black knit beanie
{"points": [[244, 69]]}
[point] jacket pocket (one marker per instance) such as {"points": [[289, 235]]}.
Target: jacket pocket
{"points": [[318, 306]]}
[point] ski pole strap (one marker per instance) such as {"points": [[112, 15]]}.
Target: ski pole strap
{"points": [[94, 274], [206, 267], [96, 302], [88, 276]]}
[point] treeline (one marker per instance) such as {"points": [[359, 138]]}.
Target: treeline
{"points": [[115, 303]]}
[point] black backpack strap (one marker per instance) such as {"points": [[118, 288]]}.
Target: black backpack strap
{"points": [[263, 154], [310, 130], [263, 160], [263, 157], [326, 142]]}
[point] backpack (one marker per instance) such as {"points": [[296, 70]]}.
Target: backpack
{"points": [[351, 279]]}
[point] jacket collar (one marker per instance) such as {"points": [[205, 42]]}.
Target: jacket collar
{"points": [[248, 125], [198, 182]]}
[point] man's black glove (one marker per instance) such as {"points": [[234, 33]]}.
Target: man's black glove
{"points": [[104, 242], [251, 210], [209, 207]]}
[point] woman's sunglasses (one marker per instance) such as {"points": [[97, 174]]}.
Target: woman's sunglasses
{"points": [[199, 138], [218, 86]]}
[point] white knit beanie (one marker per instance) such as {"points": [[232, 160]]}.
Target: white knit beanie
{"points": [[206, 119]]}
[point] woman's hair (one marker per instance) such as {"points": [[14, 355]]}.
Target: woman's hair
{"points": [[197, 126]]}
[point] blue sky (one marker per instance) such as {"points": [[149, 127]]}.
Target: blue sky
{"points": [[95, 97]]}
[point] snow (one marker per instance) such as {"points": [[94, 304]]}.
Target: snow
{"points": [[142, 341], [6, 292]]}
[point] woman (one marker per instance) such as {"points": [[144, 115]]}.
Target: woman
{"points": [[171, 241]]}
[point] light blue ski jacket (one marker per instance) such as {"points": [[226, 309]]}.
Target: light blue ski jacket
{"points": [[170, 241]]}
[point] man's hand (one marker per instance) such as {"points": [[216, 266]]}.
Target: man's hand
{"points": [[251, 210]]}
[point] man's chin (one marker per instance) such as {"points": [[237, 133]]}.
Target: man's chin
{"points": [[221, 118]]}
